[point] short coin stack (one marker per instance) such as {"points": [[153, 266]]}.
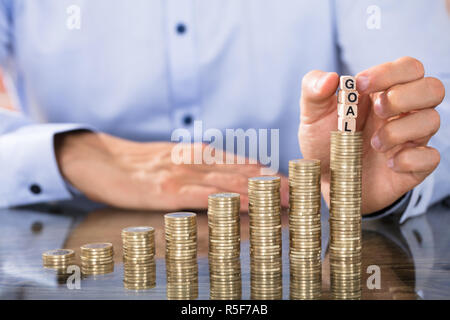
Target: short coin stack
{"points": [[181, 255], [224, 246], [59, 260], [305, 229], [139, 258], [265, 237], [345, 214], [97, 258]]}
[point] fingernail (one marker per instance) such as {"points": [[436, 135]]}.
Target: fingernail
{"points": [[376, 143], [390, 163], [377, 107], [362, 83], [320, 82]]}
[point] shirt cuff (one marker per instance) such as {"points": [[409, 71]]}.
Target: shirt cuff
{"points": [[420, 199], [398, 207], [30, 172], [412, 204]]}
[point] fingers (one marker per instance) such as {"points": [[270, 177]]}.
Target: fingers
{"points": [[194, 196], [227, 181], [384, 76], [284, 192], [230, 162], [420, 160], [419, 94], [231, 182], [215, 182], [249, 170], [413, 127], [318, 95], [235, 182]]}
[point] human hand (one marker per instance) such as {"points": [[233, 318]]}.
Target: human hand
{"points": [[397, 117], [134, 175]]}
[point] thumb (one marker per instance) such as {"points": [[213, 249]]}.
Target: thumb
{"points": [[318, 95]]}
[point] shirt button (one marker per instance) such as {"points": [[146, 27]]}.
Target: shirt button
{"points": [[181, 28], [187, 120], [37, 227], [36, 189]]}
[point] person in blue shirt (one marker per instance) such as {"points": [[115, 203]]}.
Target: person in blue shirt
{"points": [[102, 85]]}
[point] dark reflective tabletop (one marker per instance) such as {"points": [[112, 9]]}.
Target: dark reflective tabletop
{"points": [[413, 258]]}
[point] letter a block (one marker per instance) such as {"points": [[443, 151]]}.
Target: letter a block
{"points": [[347, 110]]}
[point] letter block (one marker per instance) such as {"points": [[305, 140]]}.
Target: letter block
{"points": [[347, 110], [346, 124], [348, 97], [347, 83]]}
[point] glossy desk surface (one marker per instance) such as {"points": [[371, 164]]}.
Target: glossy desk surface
{"points": [[414, 258]]}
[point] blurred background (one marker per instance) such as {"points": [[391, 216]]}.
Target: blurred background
{"points": [[5, 99]]}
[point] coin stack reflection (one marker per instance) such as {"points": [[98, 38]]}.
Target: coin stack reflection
{"points": [[139, 257], [97, 258], [305, 229], [181, 255], [224, 246], [345, 215], [58, 261], [265, 237]]}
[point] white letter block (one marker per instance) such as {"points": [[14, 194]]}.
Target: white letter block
{"points": [[348, 97], [347, 83], [346, 124], [347, 110]]}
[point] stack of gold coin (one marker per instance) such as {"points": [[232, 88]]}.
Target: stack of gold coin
{"points": [[181, 255], [265, 237], [305, 229], [139, 258], [224, 246], [345, 214], [58, 260], [97, 258]]}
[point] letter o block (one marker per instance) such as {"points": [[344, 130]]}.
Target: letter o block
{"points": [[348, 97]]}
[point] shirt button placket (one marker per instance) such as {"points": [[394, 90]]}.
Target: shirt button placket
{"points": [[183, 67]]}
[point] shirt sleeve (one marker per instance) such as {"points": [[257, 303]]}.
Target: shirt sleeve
{"points": [[28, 166], [398, 208], [412, 204], [420, 200]]}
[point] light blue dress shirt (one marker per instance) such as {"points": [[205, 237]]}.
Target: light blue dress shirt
{"points": [[140, 69]]}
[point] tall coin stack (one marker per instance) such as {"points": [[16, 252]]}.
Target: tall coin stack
{"points": [[305, 229], [97, 258], [345, 214], [59, 260], [265, 237], [139, 258], [181, 255], [224, 246]]}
